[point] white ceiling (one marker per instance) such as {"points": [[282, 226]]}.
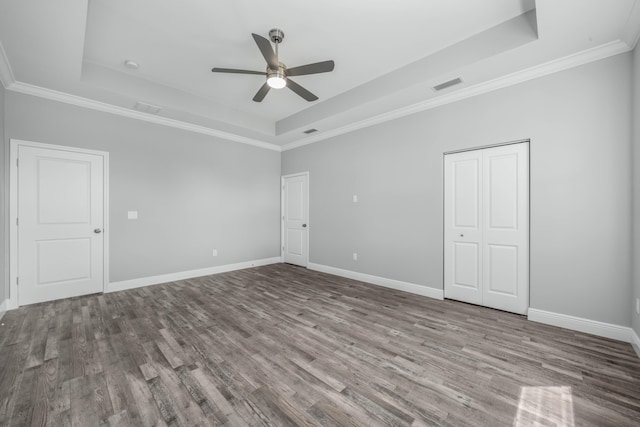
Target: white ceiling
{"points": [[388, 55]]}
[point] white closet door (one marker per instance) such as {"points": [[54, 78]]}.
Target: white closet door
{"points": [[463, 227], [506, 228], [487, 227]]}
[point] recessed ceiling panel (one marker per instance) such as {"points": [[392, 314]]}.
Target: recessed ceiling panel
{"points": [[177, 43], [388, 56]]}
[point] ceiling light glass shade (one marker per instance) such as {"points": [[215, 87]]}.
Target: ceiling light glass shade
{"points": [[276, 82], [276, 79]]}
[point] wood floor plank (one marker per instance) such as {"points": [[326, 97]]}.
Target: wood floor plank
{"points": [[44, 394], [38, 344], [21, 411], [150, 411], [282, 345], [60, 404], [215, 398], [84, 410], [10, 379]]}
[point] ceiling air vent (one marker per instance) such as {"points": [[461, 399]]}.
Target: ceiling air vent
{"points": [[308, 131], [450, 83], [147, 108]]}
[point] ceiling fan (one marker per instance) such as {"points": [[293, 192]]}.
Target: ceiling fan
{"points": [[277, 73]]}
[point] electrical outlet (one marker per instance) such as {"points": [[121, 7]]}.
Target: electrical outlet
{"points": [[355, 256], [355, 198], [215, 252]]}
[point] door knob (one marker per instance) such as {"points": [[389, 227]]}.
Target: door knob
{"points": [[462, 235], [97, 231], [304, 225]]}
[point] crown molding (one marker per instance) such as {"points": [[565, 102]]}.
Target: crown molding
{"points": [[597, 53], [571, 61], [79, 101], [632, 28], [6, 74]]}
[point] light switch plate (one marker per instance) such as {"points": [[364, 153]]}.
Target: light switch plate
{"points": [[355, 198], [132, 215]]}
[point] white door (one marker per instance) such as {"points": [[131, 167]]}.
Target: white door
{"points": [[295, 217], [506, 227], [60, 213], [487, 227], [463, 226]]}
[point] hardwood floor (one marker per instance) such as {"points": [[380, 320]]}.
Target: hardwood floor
{"points": [[280, 345]]}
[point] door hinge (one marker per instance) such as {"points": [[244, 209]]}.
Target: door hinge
{"points": [[17, 162], [17, 221], [283, 217], [17, 280]]}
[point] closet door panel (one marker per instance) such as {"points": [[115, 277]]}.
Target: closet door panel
{"points": [[463, 219], [505, 233]]}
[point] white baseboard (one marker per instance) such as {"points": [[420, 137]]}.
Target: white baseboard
{"points": [[11, 304], [635, 342], [3, 309], [380, 281], [601, 329], [182, 275]]}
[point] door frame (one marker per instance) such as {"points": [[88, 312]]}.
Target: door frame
{"points": [[15, 144], [282, 199], [481, 147]]}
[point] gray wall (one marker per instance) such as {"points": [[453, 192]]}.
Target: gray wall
{"points": [[193, 193], [579, 124], [4, 242], [636, 186]]}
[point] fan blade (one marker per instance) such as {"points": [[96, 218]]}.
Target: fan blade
{"points": [[234, 71], [262, 92], [318, 67], [301, 91], [267, 51]]}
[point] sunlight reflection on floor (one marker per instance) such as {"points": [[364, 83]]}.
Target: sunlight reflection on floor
{"points": [[545, 406]]}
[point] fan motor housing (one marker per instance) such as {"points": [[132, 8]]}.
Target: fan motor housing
{"points": [[277, 79], [280, 72]]}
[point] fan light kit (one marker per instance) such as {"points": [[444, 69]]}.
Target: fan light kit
{"points": [[276, 79], [277, 73]]}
